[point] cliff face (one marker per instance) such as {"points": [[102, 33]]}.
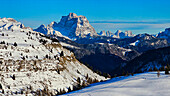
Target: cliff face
{"points": [[72, 26], [165, 34]]}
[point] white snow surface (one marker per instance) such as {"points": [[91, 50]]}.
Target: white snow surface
{"points": [[144, 84], [35, 69], [135, 43]]}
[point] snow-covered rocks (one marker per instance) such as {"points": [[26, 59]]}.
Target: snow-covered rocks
{"points": [[30, 62], [48, 30], [125, 34], [11, 24], [72, 26], [165, 34], [117, 34]]}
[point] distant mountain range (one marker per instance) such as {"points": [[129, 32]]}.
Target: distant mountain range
{"points": [[56, 50], [104, 51], [74, 27]]}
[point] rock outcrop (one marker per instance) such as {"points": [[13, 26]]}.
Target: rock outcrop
{"points": [[72, 26], [125, 34], [165, 34], [11, 24]]}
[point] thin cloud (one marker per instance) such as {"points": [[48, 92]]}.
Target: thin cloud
{"points": [[136, 28], [135, 21]]}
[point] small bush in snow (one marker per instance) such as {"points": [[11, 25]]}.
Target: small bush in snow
{"points": [[2, 34]]}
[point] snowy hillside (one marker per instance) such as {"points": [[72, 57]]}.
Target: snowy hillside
{"points": [[145, 84], [30, 62]]}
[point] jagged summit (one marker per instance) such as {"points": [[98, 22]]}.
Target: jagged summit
{"points": [[73, 15], [11, 24], [72, 26], [42, 28], [117, 34], [125, 34], [165, 34], [48, 30]]}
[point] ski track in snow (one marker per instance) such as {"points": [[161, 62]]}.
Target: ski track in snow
{"points": [[144, 84]]}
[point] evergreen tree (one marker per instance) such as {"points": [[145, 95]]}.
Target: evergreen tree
{"points": [[87, 76], [84, 84], [69, 89], [0, 86], [123, 73], [167, 69], [78, 80], [13, 77], [3, 91], [62, 54], [155, 69], [15, 44]]}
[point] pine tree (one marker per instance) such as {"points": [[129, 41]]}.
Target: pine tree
{"points": [[167, 69], [78, 80], [123, 73], [155, 69], [0, 86], [63, 91], [3, 91], [127, 73], [84, 84], [62, 54], [15, 44], [69, 89], [87, 76], [13, 77], [90, 81]]}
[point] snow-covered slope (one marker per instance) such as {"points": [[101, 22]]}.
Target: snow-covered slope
{"points": [[11, 24], [145, 84], [30, 61], [48, 30]]}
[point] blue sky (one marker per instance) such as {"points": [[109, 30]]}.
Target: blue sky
{"points": [[121, 14]]}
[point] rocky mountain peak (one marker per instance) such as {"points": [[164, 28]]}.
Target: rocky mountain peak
{"points": [[52, 24], [72, 15], [125, 34], [43, 26], [73, 26], [11, 24], [102, 33], [128, 33], [165, 34], [117, 33]]}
